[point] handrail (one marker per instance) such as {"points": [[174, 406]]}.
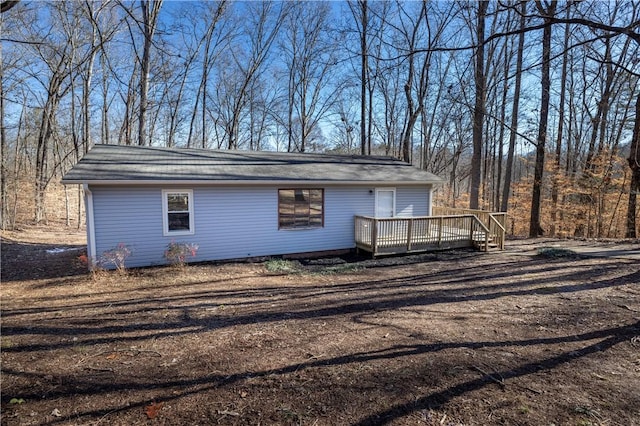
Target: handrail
{"points": [[411, 217], [495, 221], [485, 229], [499, 235], [422, 233]]}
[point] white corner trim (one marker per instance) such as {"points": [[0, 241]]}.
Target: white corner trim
{"points": [[430, 207], [91, 229]]}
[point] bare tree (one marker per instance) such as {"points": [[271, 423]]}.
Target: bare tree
{"points": [[360, 11], [634, 186], [310, 54], [427, 30], [547, 10], [4, 206], [12, 85], [561, 119], [211, 43], [478, 109], [58, 60], [246, 60], [150, 13]]}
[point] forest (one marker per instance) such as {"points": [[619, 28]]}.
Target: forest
{"points": [[528, 107]]}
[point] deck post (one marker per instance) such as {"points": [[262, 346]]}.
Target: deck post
{"points": [[472, 229], [409, 232], [374, 236], [486, 241], [440, 231]]}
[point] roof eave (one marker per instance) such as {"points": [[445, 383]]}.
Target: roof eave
{"points": [[160, 182]]}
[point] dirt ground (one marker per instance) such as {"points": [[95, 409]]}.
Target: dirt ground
{"points": [[528, 336]]}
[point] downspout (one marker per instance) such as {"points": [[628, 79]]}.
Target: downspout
{"points": [[91, 230]]}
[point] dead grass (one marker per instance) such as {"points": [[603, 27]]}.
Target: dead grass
{"points": [[458, 338]]}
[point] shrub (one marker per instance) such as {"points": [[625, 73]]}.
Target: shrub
{"points": [[554, 252], [177, 253], [117, 257], [282, 266]]}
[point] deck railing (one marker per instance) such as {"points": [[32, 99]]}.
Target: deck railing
{"points": [[414, 234], [494, 221]]}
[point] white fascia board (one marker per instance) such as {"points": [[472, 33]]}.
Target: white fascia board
{"points": [[280, 183]]}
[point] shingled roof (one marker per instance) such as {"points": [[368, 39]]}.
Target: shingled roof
{"points": [[120, 164]]}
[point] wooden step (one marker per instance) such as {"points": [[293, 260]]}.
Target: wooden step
{"points": [[480, 244], [490, 245]]}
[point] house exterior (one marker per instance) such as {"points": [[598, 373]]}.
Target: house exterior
{"points": [[238, 204]]}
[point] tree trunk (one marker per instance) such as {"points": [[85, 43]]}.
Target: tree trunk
{"points": [[204, 84], [149, 17], [44, 137], [600, 119], [363, 77], [535, 227], [561, 102], [503, 116], [634, 187], [514, 111], [4, 209], [478, 110], [194, 114], [144, 76], [104, 134], [125, 136]]}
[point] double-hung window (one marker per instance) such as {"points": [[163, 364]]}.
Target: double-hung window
{"points": [[300, 208], [177, 212]]}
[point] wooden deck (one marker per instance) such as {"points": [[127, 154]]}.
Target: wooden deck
{"points": [[381, 236]]}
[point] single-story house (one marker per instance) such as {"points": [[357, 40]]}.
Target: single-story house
{"points": [[238, 204]]}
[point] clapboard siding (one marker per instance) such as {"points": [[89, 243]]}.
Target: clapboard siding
{"points": [[132, 216], [412, 201], [233, 222]]}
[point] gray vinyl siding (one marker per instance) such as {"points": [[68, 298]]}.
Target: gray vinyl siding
{"points": [[132, 216], [412, 201], [232, 222]]}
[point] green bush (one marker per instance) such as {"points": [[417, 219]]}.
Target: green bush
{"points": [[553, 252], [281, 266]]}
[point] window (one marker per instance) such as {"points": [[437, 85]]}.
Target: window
{"points": [[177, 209], [300, 208]]}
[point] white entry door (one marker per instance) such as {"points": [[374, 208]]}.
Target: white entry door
{"points": [[385, 202]]}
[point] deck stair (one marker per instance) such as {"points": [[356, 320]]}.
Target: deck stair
{"points": [[485, 241], [489, 245], [494, 222]]}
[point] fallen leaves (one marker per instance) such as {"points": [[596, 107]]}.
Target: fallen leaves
{"points": [[152, 409]]}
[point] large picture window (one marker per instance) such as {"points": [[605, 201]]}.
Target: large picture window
{"points": [[300, 208], [177, 210]]}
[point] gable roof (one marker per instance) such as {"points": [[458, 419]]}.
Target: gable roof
{"points": [[123, 164]]}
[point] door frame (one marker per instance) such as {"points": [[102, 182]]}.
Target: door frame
{"points": [[393, 191]]}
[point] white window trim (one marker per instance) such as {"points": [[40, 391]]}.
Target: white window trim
{"points": [[378, 190], [165, 212]]}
